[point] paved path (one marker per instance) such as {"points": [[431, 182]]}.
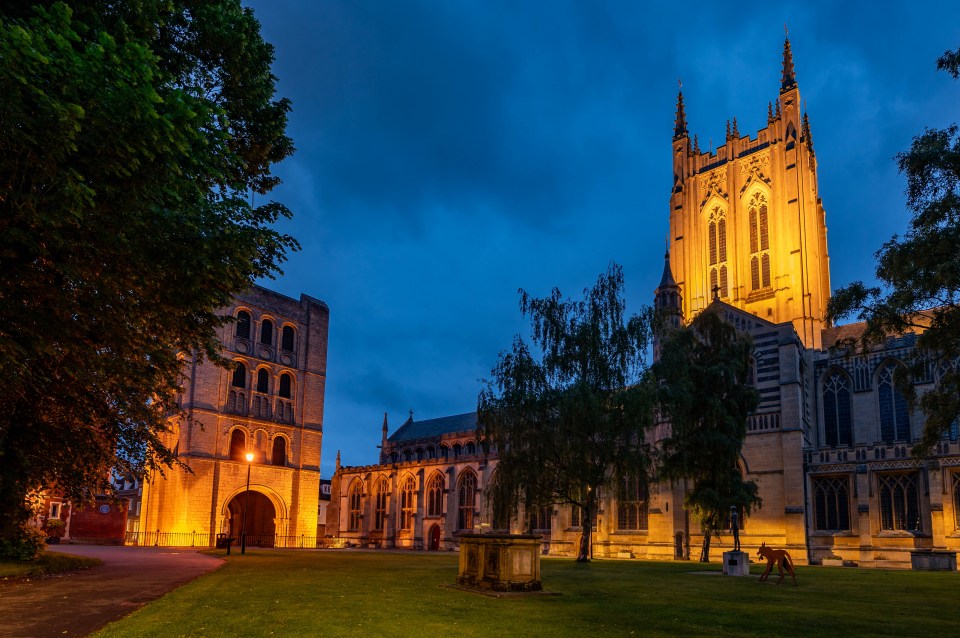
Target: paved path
{"points": [[78, 603]]}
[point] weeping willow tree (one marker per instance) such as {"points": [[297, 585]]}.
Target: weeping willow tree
{"points": [[703, 391], [567, 414]]}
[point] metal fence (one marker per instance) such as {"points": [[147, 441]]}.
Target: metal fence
{"points": [[158, 538]]}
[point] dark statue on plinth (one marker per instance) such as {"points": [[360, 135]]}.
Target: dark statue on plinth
{"points": [[735, 527]]}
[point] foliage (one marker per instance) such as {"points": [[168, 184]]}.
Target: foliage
{"points": [[920, 277], [47, 563], [570, 420], [704, 393], [24, 543], [402, 594], [132, 139]]}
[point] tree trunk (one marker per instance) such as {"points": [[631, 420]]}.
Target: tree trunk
{"points": [[705, 548], [589, 514]]}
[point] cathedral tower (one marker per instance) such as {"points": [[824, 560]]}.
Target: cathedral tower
{"points": [[747, 224]]}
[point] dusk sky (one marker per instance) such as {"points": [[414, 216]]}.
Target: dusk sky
{"points": [[450, 153]]}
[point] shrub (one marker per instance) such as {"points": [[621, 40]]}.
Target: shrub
{"points": [[28, 544]]}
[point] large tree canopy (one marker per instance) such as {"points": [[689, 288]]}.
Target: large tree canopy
{"points": [[133, 137], [568, 416], [919, 275], [704, 393]]}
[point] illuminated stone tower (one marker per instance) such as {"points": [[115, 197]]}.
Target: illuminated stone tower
{"points": [[746, 221]]}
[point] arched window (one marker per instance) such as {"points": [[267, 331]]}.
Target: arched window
{"points": [[894, 412], [355, 506], [444, 452], [759, 242], [240, 376], [238, 445], [407, 506], [899, 502], [407, 456], [837, 420], [435, 496], [457, 450], [263, 380], [286, 339], [266, 332], [541, 519], [280, 451], [470, 448], [380, 505], [419, 453], [717, 239], [431, 452], [286, 386], [466, 501], [243, 324], [632, 504], [831, 504]]}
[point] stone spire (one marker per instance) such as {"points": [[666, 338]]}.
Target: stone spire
{"points": [[338, 460], [736, 130], [680, 126], [789, 79], [807, 135], [667, 304]]}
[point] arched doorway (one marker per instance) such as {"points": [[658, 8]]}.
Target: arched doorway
{"points": [[260, 526], [678, 545], [434, 544]]}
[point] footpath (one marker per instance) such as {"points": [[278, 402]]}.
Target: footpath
{"points": [[79, 603]]}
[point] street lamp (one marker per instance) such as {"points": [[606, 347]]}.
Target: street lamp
{"points": [[246, 498]]}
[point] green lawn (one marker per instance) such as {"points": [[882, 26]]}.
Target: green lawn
{"points": [[347, 593], [48, 563]]}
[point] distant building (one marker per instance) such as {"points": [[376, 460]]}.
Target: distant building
{"points": [[829, 445], [269, 405]]}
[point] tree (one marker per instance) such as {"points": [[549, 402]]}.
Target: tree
{"points": [[919, 275], [570, 418], [703, 392], [133, 137]]}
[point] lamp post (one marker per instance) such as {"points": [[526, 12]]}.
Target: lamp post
{"points": [[246, 499]]}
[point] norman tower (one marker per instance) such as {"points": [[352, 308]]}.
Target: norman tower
{"points": [[746, 222]]}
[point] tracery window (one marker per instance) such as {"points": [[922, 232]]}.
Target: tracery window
{"points": [[243, 324], [894, 412], [831, 504], [466, 501], [435, 496], [837, 419], [407, 505], [899, 502], [717, 238], [380, 504], [355, 506], [759, 242], [541, 519], [632, 504]]}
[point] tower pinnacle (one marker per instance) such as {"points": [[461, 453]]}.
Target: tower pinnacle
{"points": [[789, 79], [680, 127]]}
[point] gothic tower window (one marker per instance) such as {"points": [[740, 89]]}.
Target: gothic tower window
{"points": [[380, 505], [759, 242], [243, 324], [894, 413], [717, 238], [407, 491], [831, 504], [354, 506], [632, 504], [435, 496], [466, 501], [899, 502], [836, 409]]}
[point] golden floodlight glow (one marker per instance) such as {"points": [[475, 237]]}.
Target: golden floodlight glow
{"points": [[249, 457]]}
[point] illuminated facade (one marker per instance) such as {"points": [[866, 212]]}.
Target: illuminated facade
{"points": [[829, 445], [270, 405]]}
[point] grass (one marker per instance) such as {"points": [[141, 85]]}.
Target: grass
{"points": [[48, 563], [346, 593]]}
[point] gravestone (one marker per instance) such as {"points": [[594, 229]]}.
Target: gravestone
{"points": [[500, 562]]}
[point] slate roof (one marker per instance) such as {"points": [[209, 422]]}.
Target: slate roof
{"points": [[413, 430]]}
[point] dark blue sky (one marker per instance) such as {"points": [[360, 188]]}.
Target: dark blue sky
{"points": [[450, 153]]}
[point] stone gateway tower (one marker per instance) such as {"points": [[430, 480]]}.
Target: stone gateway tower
{"points": [[746, 221], [269, 406]]}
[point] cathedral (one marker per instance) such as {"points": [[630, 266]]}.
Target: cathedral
{"points": [[829, 445]]}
